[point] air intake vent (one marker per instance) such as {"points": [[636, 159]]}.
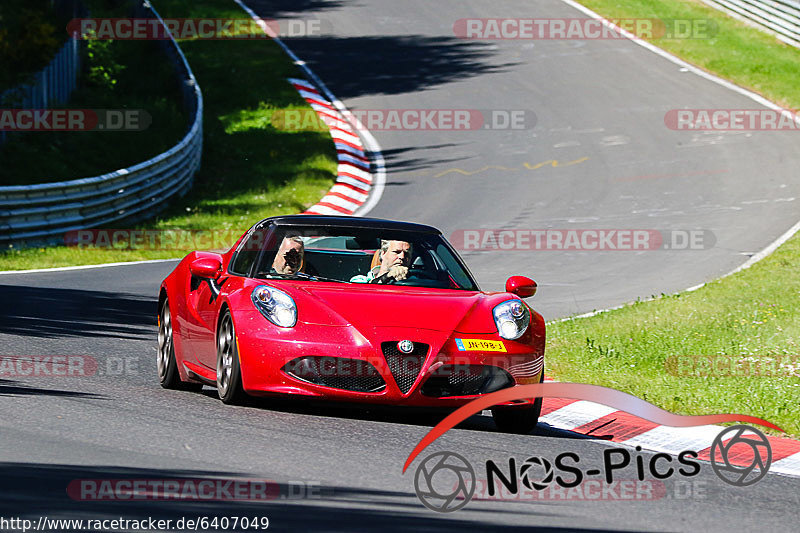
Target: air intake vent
{"points": [[405, 367], [343, 373], [466, 380]]}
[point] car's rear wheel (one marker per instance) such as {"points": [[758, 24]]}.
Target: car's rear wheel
{"points": [[229, 373], [168, 374]]}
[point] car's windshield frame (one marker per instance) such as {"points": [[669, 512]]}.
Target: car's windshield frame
{"points": [[432, 244]]}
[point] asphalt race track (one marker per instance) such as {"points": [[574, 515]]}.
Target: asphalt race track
{"points": [[601, 100]]}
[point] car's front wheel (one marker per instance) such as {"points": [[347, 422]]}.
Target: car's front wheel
{"points": [[168, 374], [229, 373], [518, 420]]}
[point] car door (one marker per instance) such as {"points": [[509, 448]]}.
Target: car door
{"points": [[204, 303]]}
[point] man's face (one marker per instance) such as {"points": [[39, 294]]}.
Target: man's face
{"points": [[399, 253], [289, 258]]}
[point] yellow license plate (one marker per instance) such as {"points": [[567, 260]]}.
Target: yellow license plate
{"points": [[480, 345]]}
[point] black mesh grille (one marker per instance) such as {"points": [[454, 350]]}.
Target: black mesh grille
{"points": [[337, 372], [405, 367], [466, 380]]}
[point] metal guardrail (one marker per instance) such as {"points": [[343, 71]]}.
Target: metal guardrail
{"points": [[44, 213], [779, 17]]}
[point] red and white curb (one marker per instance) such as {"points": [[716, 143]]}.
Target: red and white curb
{"points": [[354, 178], [610, 425], [360, 179]]}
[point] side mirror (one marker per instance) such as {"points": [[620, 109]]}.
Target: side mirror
{"points": [[206, 267], [521, 286]]}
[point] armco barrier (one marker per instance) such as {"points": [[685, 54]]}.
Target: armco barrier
{"points": [[780, 17], [43, 213]]}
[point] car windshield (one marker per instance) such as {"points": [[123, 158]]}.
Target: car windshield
{"points": [[359, 255]]}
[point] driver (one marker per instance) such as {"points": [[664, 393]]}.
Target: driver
{"points": [[289, 259], [395, 257]]}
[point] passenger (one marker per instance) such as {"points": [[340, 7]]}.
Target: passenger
{"points": [[289, 259], [395, 257]]}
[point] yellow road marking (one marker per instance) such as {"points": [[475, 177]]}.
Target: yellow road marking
{"points": [[554, 163]]}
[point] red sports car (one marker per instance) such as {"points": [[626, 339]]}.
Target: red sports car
{"points": [[351, 309]]}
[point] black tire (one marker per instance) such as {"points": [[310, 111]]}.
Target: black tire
{"points": [[229, 372], [167, 366], [517, 420]]}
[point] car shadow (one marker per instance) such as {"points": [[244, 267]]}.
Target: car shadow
{"points": [[414, 416]]}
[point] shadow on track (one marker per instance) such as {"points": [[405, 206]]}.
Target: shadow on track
{"points": [[280, 8], [9, 388], [396, 160], [32, 490], [414, 416], [360, 66], [53, 312]]}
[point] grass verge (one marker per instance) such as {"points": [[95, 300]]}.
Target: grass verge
{"points": [[729, 48], [250, 169], [751, 319]]}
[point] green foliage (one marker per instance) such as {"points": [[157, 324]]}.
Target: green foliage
{"points": [[29, 38], [102, 65]]}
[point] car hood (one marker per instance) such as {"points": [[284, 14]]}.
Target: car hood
{"points": [[366, 308]]}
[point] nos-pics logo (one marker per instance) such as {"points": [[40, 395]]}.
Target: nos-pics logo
{"points": [[445, 481]]}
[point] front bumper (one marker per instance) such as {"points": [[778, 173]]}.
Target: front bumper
{"points": [[340, 363]]}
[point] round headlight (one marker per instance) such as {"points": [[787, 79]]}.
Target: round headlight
{"points": [[276, 306], [508, 329], [517, 309], [511, 318]]}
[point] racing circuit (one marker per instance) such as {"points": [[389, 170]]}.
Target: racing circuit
{"points": [[611, 163]]}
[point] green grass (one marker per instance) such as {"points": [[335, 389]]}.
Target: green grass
{"points": [[754, 313], [735, 51], [250, 169]]}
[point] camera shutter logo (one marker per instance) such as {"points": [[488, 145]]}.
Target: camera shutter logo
{"points": [[526, 470], [444, 482], [741, 476]]}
